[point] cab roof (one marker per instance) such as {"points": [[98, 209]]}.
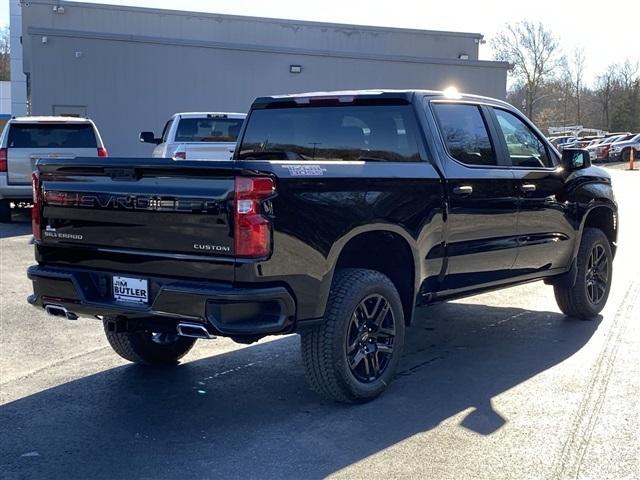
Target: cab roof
{"points": [[369, 95]]}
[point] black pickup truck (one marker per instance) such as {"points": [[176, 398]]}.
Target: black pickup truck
{"points": [[339, 214]]}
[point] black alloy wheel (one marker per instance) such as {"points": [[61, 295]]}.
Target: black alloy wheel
{"points": [[587, 296], [352, 356], [597, 274], [370, 338]]}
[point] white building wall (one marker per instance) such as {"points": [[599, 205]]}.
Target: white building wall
{"points": [[18, 96], [5, 98], [129, 68]]}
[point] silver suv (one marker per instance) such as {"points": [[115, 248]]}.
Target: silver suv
{"points": [[621, 150], [25, 139]]}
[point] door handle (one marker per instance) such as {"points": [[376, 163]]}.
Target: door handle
{"points": [[463, 190], [528, 187]]}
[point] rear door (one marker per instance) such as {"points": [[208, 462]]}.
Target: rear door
{"points": [[481, 242], [545, 232], [27, 142]]}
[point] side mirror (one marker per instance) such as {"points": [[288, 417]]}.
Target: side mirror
{"points": [[149, 137], [575, 159]]}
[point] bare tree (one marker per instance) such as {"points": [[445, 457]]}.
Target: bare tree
{"points": [[625, 97], [577, 79], [604, 87], [627, 73], [532, 50], [5, 61]]}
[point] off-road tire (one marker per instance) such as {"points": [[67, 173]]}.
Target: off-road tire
{"points": [[5, 211], [139, 347], [574, 301], [324, 346]]}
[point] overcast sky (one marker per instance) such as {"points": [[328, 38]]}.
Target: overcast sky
{"points": [[608, 32]]}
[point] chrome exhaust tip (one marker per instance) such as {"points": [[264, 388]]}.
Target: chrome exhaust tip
{"points": [[193, 330], [60, 311]]}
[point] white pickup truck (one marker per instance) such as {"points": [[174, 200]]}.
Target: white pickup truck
{"points": [[197, 136], [26, 139]]}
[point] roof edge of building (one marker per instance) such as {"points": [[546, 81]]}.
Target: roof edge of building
{"points": [[310, 23], [256, 48]]}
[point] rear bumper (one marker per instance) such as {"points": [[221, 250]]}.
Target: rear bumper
{"points": [[223, 309], [13, 192]]}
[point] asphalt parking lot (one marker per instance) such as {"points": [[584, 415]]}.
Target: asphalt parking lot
{"points": [[498, 386]]}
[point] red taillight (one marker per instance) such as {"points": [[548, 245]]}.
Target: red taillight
{"points": [[252, 230], [36, 211], [3, 159], [180, 155], [102, 152]]}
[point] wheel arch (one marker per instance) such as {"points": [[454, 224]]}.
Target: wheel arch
{"points": [[601, 214], [388, 249]]}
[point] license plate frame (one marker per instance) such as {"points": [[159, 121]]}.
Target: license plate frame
{"points": [[130, 290]]}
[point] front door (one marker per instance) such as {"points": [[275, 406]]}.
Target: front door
{"points": [[545, 232], [481, 240]]}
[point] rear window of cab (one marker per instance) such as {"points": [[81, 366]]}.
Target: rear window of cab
{"points": [[386, 133], [208, 129], [50, 135]]}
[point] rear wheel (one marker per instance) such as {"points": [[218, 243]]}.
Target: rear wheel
{"points": [[148, 348], [353, 355], [589, 295], [5, 211]]}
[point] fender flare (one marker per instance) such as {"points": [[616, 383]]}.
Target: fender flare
{"points": [[338, 247], [596, 203]]}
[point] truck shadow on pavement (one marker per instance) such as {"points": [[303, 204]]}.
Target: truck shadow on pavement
{"points": [[249, 414]]}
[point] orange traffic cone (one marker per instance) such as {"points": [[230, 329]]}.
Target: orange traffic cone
{"points": [[632, 151]]}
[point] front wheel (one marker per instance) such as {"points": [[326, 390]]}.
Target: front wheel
{"points": [[148, 348], [589, 295], [353, 355]]}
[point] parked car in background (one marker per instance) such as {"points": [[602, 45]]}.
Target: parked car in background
{"points": [[584, 142], [592, 148], [564, 142], [621, 149], [26, 139], [602, 150], [197, 136]]}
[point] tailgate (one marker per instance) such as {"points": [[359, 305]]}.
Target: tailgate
{"points": [[208, 150], [138, 206]]}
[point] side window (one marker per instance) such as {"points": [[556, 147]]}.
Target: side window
{"points": [[165, 131], [524, 146], [465, 133]]}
